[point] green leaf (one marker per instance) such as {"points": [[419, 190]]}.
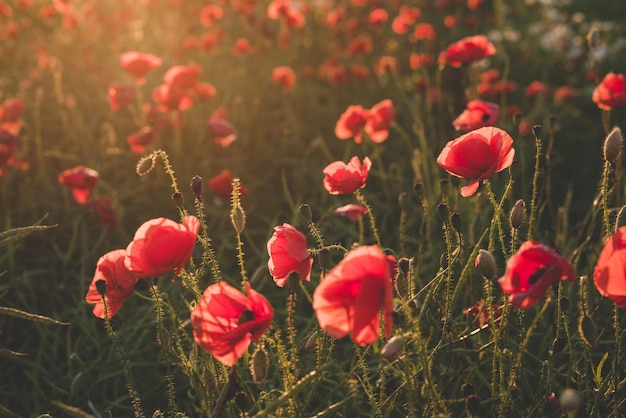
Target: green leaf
{"points": [[597, 374]]}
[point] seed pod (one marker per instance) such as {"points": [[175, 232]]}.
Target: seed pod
{"points": [[404, 200], [442, 211]]}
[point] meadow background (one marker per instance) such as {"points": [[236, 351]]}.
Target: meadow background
{"points": [[60, 58]]}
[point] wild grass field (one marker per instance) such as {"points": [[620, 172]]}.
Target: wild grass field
{"points": [[330, 208]]}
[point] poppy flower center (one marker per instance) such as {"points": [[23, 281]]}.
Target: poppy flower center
{"points": [[536, 275], [246, 316]]}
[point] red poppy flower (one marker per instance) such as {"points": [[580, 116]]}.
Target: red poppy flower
{"points": [[81, 181], [477, 114], [140, 139], [425, 31], [8, 144], [536, 88], [161, 245], [386, 64], [361, 44], [477, 155], [222, 184], [105, 211], [479, 313], [278, 9], [225, 321], [284, 77], [241, 47], [609, 275], [139, 64], [120, 96], [467, 50], [351, 123], [342, 178], [351, 211], [379, 120], [120, 283], [172, 97], [288, 253], [417, 60], [210, 14], [377, 17], [352, 294], [611, 92], [224, 133], [531, 270], [11, 110], [182, 76]]}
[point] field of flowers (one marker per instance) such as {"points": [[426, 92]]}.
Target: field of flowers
{"points": [[325, 208]]}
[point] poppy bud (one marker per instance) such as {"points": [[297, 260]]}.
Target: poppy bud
{"points": [[564, 303], [455, 220], [419, 190], [472, 403], [517, 118], [145, 165], [324, 258], [179, 200], [569, 400], [467, 389], [537, 131], [196, 187], [404, 264], [404, 200], [444, 186], [485, 264], [593, 38], [558, 344], [259, 366], [311, 342], [442, 211], [393, 347], [518, 213], [101, 286], [305, 212], [613, 145], [238, 218]]}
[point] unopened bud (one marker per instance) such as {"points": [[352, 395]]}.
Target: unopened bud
{"points": [[238, 218], [419, 190], [564, 303], [593, 38], [196, 187], [485, 264], [393, 347], [404, 265], [259, 366], [570, 400], [537, 131], [442, 211], [101, 287], [558, 344], [179, 200], [145, 165], [305, 212], [517, 118], [613, 145], [311, 342], [472, 402], [518, 213], [455, 220], [467, 389], [404, 200]]}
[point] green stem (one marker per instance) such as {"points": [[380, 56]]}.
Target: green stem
{"points": [[362, 200], [533, 203]]}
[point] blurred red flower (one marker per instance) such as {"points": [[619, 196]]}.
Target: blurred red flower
{"points": [[417, 60], [224, 133], [140, 139], [361, 44], [120, 96], [284, 77], [351, 123], [120, 283], [210, 14], [467, 50], [225, 321], [241, 47], [351, 211], [104, 210], [406, 17], [81, 181], [477, 114], [611, 92], [160, 246], [380, 118], [377, 17], [222, 184], [386, 64], [139, 64], [536, 88], [342, 178], [477, 155], [182, 76], [479, 312], [425, 31], [531, 270], [349, 299], [204, 91], [8, 144], [609, 274], [288, 253], [172, 97]]}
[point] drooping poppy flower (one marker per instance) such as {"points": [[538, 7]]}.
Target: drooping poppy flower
{"points": [[120, 96], [479, 312], [611, 92], [467, 50], [222, 184], [351, 123], [81, 181], [342, 178], [379, 120], [288, 253], [351, 211], [477, 114], [139, 64], [353, 293], [225, 321], [609, 274], [477, 155], [224, 133], [531, 271], [182, 76], [120, 283], [161, 246], [172, 97], [284, 77], [140, 139]]}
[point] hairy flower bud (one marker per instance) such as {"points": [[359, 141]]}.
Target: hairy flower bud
{"points": [[518, 213], [196, 187], [455, 220], [442, 211], [305, 212], [393, 347], [485, 264], [537, 131], [570, 400], [613, 145], [404, 200], [179, 200], [146, 165], [621, 218], [259, 366]]}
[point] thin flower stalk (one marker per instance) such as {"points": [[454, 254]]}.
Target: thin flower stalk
{"points": [[362, 200], [535, 189]]}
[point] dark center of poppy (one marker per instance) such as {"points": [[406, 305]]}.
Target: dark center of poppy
{"points": [[536, 275], [486, 117], [246, 316]]}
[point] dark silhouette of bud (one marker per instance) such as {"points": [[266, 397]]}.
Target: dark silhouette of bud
{"points": [[455, 220], [101, 287], [472, 403], [404, 264], [404, 200], [485, 264], [467, 389], [419, 190], [517, 215], [442, 211], [537, 131], [558, 344], [517, 118], [145, 165], [305, 212], [444, 186], [613, 145], [179, 200], [593, 38], [196, 187], [564, 303]]}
